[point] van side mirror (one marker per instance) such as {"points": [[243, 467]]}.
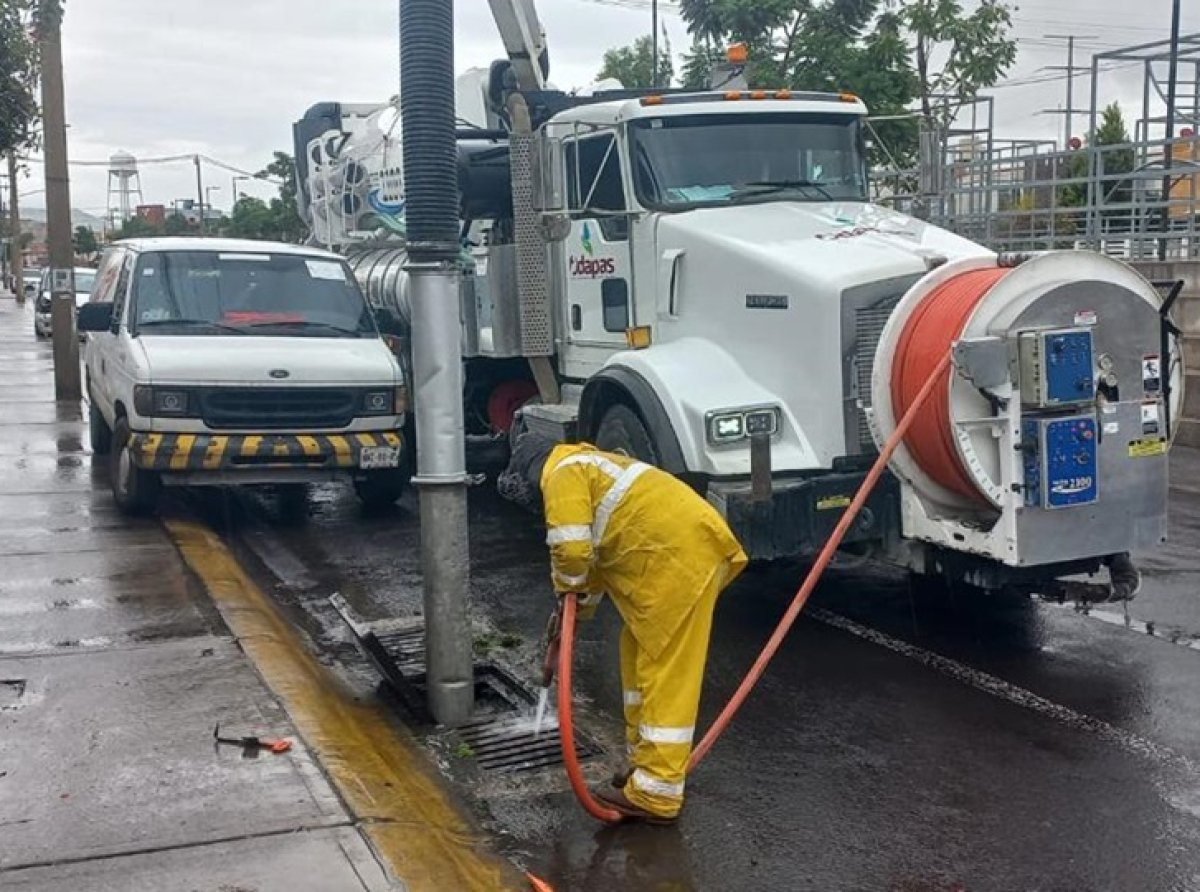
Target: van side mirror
{"points": [[95, 317]]}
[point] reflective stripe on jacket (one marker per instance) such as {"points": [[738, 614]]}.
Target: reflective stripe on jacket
{"points": [[620, 526]]}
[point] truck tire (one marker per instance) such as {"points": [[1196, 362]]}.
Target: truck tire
{"points": [[134, 490], [622, 431], [99, 433], [378, 489]]}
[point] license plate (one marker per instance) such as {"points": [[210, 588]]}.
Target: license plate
{"points": [[371, 457]]}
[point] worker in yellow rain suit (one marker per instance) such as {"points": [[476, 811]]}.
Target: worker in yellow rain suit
{"points": [[663, 555]]}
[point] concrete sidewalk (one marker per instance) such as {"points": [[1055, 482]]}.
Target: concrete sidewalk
{"points": [[114, 669]]}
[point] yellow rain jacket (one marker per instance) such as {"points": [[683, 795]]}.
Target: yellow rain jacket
{"points": [[618, 526]]}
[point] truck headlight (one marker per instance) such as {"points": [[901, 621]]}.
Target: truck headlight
{"points": [[731, 425], [162, 402], [385, 401]]}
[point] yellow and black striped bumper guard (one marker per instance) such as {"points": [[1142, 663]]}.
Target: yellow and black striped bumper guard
{"points": [[214, 452]]}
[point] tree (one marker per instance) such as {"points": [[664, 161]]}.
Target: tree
{"points": [[286, 224], [137, 227], [251, 218], [177, 224], [633, 65], [85, 241], [826, 45], [974, 51], [1115, 156], [18, 74]]}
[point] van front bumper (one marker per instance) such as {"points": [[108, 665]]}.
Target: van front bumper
{"points": [[252, 454]]}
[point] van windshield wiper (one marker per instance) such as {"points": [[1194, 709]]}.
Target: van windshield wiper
{"points": [[188, 323], [771, 187], [308, 324]]}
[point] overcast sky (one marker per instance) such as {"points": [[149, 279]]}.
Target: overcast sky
{"points": [[226, 78]]}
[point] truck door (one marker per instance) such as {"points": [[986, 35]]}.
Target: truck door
{"points": [[598, 274]]}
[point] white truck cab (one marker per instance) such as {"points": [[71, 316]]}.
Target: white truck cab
{"points": [[216, 361]]}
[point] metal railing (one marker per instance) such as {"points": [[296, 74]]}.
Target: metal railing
{"points": [[1119, 200]]}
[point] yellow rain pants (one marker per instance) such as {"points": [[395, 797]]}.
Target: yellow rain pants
{"points": [[663, 555]]}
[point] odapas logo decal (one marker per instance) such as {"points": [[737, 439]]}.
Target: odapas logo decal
{"points": [[587, 265]]}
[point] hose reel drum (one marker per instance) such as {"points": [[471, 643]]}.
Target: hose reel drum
{"points": [[1048, 439]]}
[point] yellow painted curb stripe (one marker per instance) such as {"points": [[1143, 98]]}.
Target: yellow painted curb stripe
{"points": [[378, 769]]}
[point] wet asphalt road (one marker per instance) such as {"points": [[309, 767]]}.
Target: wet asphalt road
{"points": [[901, 740]]}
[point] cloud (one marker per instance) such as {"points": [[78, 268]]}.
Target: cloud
{"points": [[226, 78]]}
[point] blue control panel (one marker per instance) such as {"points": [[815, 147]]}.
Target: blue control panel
{"points": [[1067, 365], [1060, 461]]}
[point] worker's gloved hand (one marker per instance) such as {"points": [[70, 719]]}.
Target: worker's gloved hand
{"points": [[586, 609]]}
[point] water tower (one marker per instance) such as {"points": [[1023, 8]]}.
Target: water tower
{"points": [[123, 184]]}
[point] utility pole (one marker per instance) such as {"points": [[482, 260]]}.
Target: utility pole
{"points": [[654, 43], [1169, 147], [67, 384], [199, 191], [1071, 70], [431, 212], [16, 256]]}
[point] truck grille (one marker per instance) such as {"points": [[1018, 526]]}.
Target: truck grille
{"points": [[869, 323], [277, 408]]}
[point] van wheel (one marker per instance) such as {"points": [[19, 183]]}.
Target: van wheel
{"points": [[99, 433], [378, 489], [622, 431], [134, 490]]}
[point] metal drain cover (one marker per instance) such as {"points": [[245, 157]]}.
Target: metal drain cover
{"points": [[506, 743]]}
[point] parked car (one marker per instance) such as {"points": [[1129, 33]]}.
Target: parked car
{"points": [[30, 279], [218, 361], [85, 277]]}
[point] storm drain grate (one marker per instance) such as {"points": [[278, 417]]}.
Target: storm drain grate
{"points": [[507, 743], [406, 648], [501, 738]]}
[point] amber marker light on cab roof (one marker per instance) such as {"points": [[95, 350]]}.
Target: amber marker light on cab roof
{"points": [[652, 100]]}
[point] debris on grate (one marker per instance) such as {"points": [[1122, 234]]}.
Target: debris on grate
{"points": [[11, 692], [506, 743]]}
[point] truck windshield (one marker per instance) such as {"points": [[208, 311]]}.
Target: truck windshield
{"points": [[711, 160], [220, 292]]}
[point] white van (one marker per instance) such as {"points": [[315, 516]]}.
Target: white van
{"points": [[218, 361]]}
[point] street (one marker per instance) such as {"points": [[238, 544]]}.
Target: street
{"points": [[901, 740]]}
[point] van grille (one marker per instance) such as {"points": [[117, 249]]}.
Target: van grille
{"points": [[272, 408], [869, 323]]}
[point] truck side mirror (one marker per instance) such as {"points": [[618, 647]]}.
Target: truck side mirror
{"points": [[548, 191]]}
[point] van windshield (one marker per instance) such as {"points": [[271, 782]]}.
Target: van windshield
{"points": [[265, 294], [688, 161]]}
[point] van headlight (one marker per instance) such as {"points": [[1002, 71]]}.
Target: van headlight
{"points": [[731, 425], [385, 401], [162, 402]]}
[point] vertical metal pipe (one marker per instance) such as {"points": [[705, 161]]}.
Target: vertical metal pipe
{"points": [[1070, 92], [1169, 147], [431, 196], [67, 384], [199, 191], [653, 43]]}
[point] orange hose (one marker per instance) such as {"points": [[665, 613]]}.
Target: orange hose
{"points": [[927, 337], [565, 722]]}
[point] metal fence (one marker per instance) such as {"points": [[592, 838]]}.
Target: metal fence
{"points": [[1121, 200]]}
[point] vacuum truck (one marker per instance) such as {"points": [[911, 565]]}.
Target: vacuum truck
{"points": [[698, 279]]}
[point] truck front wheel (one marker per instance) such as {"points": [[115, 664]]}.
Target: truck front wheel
{"points": [[622, 431]]}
